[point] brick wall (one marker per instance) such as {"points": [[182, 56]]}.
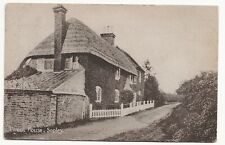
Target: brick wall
{"points": [[25, 111]]}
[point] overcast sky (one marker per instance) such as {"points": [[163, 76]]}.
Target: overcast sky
{"points": [[179, 41]]}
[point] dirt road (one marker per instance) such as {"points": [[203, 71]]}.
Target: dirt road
{"points": [[106, 128]]}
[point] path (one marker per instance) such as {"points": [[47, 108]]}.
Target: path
{"points": [[105, 128]]}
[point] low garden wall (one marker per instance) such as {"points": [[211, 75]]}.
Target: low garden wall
{"points": [[24, 111]]}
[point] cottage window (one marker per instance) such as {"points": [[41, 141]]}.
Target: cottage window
{"points": [[68, 63], [98, 94], [48, 64], [117, 77], [76, 64], [132, 78], [135, 80], [117, 96], [139, 92], [135, 97]]}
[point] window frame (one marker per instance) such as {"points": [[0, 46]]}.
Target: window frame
{"points": [[98, 91], [132, 77], [118, 73], [135, 97], [117, 96], [51, 60], [139, 77], [139, 93], [70, 63]]}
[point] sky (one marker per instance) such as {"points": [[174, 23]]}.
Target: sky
{"points": [[179, 41]]}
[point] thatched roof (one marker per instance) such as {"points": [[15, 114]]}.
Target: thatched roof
{"points": [[81, 39], [131, 59]]}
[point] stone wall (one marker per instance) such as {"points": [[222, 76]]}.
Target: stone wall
{"points": [[71, 108], [24, 111]]}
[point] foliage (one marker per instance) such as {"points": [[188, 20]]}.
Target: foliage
{"points": [[196, 118], [151, 91], [151, 88], [126, 96], [22, 72], [159, 100], [148, 68], [172, 97]]}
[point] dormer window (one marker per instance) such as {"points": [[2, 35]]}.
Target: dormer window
{"points": [[76, 64], [68, 63], [117, 76], [43, 64], [48, 64]]}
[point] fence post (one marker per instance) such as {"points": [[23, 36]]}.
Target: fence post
{"points": [[121, 109], [130, 105], [90, 111], [121, 106]]}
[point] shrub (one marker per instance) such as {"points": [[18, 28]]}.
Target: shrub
{"points": [[196, 117], [126, 96], [22, 72], [159, 100]]}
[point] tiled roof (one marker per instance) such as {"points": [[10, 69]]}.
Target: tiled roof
{"points": [[41, 81], [81, 39]]}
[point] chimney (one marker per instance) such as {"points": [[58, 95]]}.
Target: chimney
{"points": [[108, 35], [59, 34]]}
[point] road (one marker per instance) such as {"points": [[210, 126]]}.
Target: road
{"points": [[100, 130]]}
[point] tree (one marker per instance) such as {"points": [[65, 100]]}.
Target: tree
{"points": [[151, 91], [148, 69]]}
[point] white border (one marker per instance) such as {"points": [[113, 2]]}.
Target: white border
{"points": [[221, 69]]}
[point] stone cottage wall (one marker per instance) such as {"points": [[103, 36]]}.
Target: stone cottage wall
{"points": [[71, 108], [26, 111]]}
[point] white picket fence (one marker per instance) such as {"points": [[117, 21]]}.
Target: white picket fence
{"points": [[133, 107]]}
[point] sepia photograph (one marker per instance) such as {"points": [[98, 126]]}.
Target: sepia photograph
{"points": [[110, 72]]}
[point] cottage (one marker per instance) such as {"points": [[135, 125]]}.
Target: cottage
{"points": [[75, 62]]}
